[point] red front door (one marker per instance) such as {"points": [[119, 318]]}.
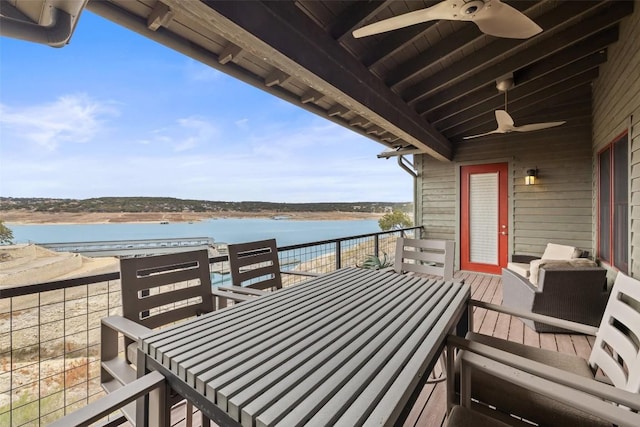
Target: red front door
{"points": [[484, 234]]}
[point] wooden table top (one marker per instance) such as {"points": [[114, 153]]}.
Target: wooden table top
{"points": [[346, 348]]}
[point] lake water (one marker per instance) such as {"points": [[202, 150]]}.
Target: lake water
{"points": [[286, 232]]}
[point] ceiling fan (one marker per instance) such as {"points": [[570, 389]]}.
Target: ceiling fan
{"points": [[492, 17], [505, 122]]}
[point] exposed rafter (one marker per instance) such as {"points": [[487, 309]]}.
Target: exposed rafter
{"points": [[597, 44], [160, 16], [487, 120], [527, 89], [276, 77], [421, 88], [476, 65], [446, 47], [301, 47], [354, 16]]}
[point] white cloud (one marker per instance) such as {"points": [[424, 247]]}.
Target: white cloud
{"points": [[71, 118], [198, 131], [184, 134], [200, 72], [193, 157], [242, 124]]}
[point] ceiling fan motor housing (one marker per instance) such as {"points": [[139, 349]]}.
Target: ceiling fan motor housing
{"points": [[471, 8]]}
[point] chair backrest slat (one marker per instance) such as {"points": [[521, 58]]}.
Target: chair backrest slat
{"points": [[617, 346], [425, 256], [162, 289], [251, 261]]}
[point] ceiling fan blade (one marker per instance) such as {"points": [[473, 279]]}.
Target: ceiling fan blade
{"points": [[502, 20], [483, 134], [438, 11], [505, 122], [494, 18], [536, 126]]}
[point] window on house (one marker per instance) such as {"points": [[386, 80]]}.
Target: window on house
{"points": [[613, 227]]}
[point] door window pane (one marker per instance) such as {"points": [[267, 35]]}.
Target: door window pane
{"points": [[483, 218]]}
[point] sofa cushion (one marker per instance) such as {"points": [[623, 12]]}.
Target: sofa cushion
{"points": [[535, 265], [553, 251], [522, 268]]}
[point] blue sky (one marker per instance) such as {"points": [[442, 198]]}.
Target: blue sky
{"points": [[116, 114]]}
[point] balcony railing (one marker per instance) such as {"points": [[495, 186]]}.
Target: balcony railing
{"points": [[50, 332]]}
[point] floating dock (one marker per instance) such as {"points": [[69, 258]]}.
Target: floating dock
{"points": [[134, 248]]}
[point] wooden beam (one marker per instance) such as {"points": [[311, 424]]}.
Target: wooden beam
{"points": [[375, 130], [231, 52], [390, 138], [474, 67], [354, 16], [160, 16], [311, 95], [276, 77], [394, 41], [287, 39], [359, 121], [460, 92], [337, 110], [488, 119], [528, 90], [597, 43], [399, 39], [443, 49], [561, 91], [576, 113], [547, 47]]}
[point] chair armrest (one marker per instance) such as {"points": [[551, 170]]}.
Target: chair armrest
{"points": [[301, 273], [233, 296], [113, 401], [551, 374], [553, 321], [243, 290], [523, 258], [128, 328]]}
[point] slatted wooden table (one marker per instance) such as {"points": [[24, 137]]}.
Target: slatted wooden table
{"points": [[347, 348]]}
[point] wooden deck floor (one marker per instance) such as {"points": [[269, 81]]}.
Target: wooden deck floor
{"points": [[430, 408]]}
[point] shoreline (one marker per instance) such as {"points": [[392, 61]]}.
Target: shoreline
{"points": [[21, 217]]}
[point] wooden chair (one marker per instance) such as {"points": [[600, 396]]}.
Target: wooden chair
{"points": [[156, 291], [255, 270], [616, 353], [533, 376], [255, 265], [425, 256]]}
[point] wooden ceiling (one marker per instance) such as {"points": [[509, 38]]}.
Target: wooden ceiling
{"points": [[424, 86]]}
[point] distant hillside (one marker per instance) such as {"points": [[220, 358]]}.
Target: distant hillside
{"points": [[169, 204]]}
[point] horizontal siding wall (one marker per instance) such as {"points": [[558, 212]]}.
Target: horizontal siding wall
{"points": [[557, 209], [616, 98], [436, 198]]}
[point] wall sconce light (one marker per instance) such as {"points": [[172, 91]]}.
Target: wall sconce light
{"points": [[530, 178]]}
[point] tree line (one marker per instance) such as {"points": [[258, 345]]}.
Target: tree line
{"points": [[169, 204]]}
